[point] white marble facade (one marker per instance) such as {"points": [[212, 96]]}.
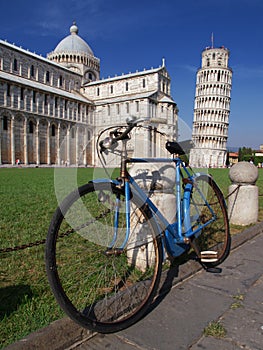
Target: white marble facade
{"points": [[52, 109]]}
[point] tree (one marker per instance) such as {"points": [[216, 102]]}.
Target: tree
{"points": [[244, 153]]}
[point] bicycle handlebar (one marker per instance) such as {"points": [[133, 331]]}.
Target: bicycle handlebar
{"points": [[111, 141]]}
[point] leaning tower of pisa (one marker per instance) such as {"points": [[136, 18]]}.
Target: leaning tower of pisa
{"points": [[211, 110]]}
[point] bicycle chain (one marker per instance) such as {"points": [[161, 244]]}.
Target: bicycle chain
{"points": [[43, 241], [67, 233]]}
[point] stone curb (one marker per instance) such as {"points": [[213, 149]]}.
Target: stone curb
{"points": [[63, 334]]}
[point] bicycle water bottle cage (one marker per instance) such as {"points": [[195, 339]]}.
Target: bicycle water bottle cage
{"points": [[178, 148]]}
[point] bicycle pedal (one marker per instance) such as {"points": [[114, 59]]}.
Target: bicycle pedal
{"points": [[209, 256]]}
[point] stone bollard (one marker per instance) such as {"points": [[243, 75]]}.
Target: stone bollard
{"points": [[243, 203], [163, 177]]}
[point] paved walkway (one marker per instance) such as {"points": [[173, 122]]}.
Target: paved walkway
{"points": [[232, 299]]}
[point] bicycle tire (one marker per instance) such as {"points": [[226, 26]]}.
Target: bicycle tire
{"points": [[102, 291], [215, 236]]}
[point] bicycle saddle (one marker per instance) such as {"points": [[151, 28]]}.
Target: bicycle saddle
{"points": [[179, 148]]}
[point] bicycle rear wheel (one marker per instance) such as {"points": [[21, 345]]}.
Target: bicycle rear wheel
{"points": [[207, 207], [99, 286]]}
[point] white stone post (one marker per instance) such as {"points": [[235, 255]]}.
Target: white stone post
{"points": [[243, 199], [163, 176]]}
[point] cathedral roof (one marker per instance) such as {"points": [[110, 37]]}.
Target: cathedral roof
{"points": [[73, 43]]}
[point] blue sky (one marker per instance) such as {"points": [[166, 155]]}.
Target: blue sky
{"points": [[133, 35]]}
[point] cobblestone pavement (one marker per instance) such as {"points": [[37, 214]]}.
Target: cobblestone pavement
{"points": [[230, 302]]}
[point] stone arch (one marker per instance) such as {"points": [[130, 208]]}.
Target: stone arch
{"points": [[63, 143], [81, 144], [6, 156], [31, 140], [53, 142], [19, 131], [43, 140], [89, 146]]}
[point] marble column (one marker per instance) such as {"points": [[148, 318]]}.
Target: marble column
{"points": [[85, 148], [37, 144], [13, 161], [25, 142], [48, 144], [58, 145], [68, 145], [77, 143]]}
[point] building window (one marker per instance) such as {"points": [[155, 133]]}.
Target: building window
{"points": [[31, 127], [8, 90], [111, 89], [47, 76], [66, 105], [143, 83], [32, 71], [15, 64], [46, 99], [108, 110], [127, 86], [34, 96], [53, 130], [56, 102], [90, 76], [60, 80], [127, 107], [98, 91], [22, 94], [137, 106], [118, 108], [5, 123], [72, 133]]}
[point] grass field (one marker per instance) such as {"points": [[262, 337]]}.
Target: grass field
{"points": [[27, 203]]}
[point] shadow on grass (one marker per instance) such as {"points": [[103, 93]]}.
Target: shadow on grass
{"points": [[13, 296]]}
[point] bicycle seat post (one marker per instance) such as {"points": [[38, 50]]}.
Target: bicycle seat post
{"points": [[123, 168]]}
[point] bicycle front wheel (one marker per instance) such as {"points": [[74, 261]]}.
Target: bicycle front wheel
{"points": [[100, 284], [208, 210]]}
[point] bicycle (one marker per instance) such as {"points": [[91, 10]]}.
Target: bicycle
{"points": [[102, 229]]}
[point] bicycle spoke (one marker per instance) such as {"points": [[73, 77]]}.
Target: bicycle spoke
{"points": [[102, 289]]}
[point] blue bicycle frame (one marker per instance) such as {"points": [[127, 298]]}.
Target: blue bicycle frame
{"points": [[176, 235]]}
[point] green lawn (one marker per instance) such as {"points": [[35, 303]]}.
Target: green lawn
{"points": [[27, 203]]}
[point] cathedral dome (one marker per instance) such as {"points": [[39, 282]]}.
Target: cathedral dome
{"points": [[73, 43]]}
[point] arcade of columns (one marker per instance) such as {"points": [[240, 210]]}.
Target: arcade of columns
{"points": [[41, 141]]}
